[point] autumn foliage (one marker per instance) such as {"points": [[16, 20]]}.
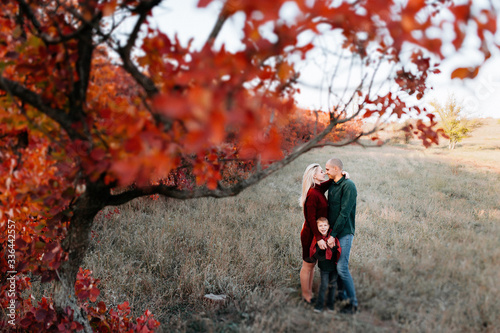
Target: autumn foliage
{"points": [[90, 119]]}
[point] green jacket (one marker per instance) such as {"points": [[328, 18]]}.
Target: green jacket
{"points": [[342, 207]]}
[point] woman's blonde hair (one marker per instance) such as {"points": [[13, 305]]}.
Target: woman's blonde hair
{"points": [[308, 181]]}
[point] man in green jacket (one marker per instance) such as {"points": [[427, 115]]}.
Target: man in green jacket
{"points": [[341, 213]]}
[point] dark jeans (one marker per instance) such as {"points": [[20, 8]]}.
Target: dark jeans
{"points": [[328, 281]]}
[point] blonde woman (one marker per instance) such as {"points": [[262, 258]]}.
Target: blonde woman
{"points": [[315, 205]]}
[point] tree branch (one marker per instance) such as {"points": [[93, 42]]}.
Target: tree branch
{"points": [[26, 9], [172, 192], [83, 67], [17, 90], [142, 9], [221, 19]]}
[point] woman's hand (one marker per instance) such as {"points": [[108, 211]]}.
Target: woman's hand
{"points": [[322, 244], [346, 174]]}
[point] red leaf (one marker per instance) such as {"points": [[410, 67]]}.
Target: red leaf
{"points": [[83, 295], [62, 327], [109, 8], [462, 73], [133, 145], [101, 307], [123, 306], [203, 3], [40, 315], [98, 154], [25, 322], [94, 292]]}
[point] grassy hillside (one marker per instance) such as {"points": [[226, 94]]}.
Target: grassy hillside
{"points": [[425, 256], [481, 149]]}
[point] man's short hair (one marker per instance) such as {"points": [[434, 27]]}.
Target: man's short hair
{"points": [[336, 162], [322, 219]]}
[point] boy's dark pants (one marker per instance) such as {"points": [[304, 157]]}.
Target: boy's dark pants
{"points": [[328, 281]]}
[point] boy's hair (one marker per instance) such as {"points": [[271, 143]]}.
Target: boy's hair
{"points": [[322, 219]]}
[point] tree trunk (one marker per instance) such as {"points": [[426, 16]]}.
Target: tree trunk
{"points": [[76, 244]]}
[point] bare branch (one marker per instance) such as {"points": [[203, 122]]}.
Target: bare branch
{"points": [[349, 78], [375, 73]]}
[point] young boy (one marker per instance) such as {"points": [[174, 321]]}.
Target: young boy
{"points": [[327, 263]]}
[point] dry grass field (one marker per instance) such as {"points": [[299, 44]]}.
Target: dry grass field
{"points": [[425, 258]]}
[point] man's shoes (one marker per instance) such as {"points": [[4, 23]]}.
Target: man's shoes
{"points": [[349, 309]]}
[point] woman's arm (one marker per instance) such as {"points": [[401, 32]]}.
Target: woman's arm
{"points": [[323, 187]]}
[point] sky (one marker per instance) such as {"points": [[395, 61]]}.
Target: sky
{"points": [[480, 97]]}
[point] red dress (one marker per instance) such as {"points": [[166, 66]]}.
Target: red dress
{"points": [[315, 206]]}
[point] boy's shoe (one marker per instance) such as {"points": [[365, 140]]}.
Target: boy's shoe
{"points": [[330, 308], [349, 309], [318, 309]]}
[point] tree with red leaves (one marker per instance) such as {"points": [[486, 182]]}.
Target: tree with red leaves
{"points": [[90, 120]]}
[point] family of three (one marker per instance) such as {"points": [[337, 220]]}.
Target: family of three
{"points": [[327, 235]]}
